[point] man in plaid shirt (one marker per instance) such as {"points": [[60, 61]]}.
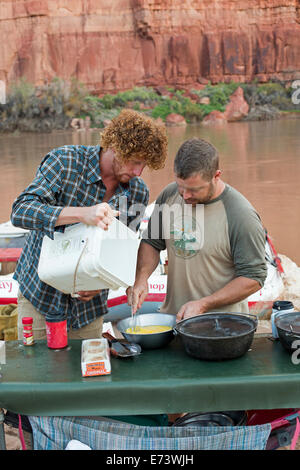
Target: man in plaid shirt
{"points": [[83, 184]]}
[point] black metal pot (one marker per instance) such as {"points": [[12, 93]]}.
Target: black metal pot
{"points": [[216, 418], [288, 327], [217, 336]]}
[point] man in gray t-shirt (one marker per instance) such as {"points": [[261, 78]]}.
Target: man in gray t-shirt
{"points": [[214, 239]]}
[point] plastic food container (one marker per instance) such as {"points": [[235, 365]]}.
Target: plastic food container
{"points": [[85, 257], [95, 357], [57, 334]]}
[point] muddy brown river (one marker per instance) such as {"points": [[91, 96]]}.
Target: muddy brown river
{"points": [[260, 159]]}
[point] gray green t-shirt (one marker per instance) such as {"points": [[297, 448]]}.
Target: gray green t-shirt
{"points": [[208, 245]]}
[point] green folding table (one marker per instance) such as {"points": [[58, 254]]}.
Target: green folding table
{"points": [[43, 382]]}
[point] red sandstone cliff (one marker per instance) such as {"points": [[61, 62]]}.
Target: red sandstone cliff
{"points": [[117, 44]]}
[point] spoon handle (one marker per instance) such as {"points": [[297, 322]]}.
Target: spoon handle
{"points": [[112, 339]]}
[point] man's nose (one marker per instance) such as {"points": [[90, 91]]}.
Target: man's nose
{"points": [[137, 170], [186, 194]]}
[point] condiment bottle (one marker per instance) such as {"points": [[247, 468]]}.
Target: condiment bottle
{"points": [[56, 329], [27, 331]]}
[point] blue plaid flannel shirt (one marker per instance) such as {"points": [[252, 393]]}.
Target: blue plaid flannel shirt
{"points": [[67, 176]]}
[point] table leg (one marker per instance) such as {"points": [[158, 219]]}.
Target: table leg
{"points": [[2, 432]]}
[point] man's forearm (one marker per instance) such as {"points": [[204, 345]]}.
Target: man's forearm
{"points": [[147, 261], [100, 215], [31, 214], [70, 215], [235, 291]]}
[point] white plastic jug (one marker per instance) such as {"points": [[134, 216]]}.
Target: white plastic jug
{"points": [[85, 257]]}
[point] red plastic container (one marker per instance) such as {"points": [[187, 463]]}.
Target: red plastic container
{"points": [[57, 335]]}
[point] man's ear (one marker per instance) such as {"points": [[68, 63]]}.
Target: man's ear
{"points": [[218, 174]]}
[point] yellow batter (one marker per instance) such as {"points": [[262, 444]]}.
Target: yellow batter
{"points": [[146, 330]]}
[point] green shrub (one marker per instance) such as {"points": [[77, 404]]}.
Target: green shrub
{"points": [[218, 94], [193, 112], [273, 93], [137, 94], [108, 101], [141, 94], [164, 108], [21, 89], [98, 119], [208, 108]]}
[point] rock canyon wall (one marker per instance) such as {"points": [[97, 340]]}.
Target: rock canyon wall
{"points": [[117, 44]]}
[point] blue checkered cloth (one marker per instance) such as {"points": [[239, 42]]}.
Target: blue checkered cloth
{"points": [[67, 176], [54, 433]]}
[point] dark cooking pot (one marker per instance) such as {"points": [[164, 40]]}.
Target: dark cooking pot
{"points": [[216, 418], [288, 327], [217, 336]]}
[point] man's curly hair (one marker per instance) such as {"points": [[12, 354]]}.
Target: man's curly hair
{"points": [[133, 135]]}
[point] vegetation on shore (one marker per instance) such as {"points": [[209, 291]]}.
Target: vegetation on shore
{"points": [[55, 105]]}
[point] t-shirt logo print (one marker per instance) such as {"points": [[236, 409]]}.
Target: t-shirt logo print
{"points": [[186, 236]]}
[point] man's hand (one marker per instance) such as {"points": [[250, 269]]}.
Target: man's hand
{"points": [[136, 295], [147, 260], [101, 215], [85, 296], [191, 309]]}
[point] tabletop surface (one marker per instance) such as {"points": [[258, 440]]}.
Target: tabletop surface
{"points": [[39, 381]]}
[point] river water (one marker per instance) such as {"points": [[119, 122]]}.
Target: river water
{"points": [[260, 159]]}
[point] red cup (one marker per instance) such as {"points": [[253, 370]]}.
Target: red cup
{"points": [[57, 336]]}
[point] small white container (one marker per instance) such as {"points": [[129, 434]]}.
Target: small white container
{"points": [[280, 307], [96, 362], [85, 257]]}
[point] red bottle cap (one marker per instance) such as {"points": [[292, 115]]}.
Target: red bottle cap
{"points": [[27, 320]]}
